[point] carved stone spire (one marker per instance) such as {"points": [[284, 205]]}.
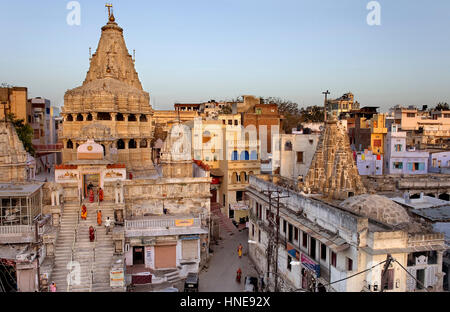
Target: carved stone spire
{"points": [[333, 171], [112, 58]]}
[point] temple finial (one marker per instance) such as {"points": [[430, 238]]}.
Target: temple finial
{"points": [[109, 6]]}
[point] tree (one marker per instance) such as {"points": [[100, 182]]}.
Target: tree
{"points": [[24, 132], [442, 106], [288, 109], [225, 110]]}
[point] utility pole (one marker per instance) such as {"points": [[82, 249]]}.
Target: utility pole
{"points": [[325, 106], [272, 234], [384, 275]]}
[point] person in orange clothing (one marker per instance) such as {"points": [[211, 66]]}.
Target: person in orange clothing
{"points": [[240, 250], [100, 194], [99, 217], [83, 212]]}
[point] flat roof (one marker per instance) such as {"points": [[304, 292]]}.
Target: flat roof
{"points": [[421, 203], [19, 190], [434, 214]]}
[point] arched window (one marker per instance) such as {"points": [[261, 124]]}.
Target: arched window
{"points": [[143, 144], [89, 117], [288, 146], [143, 118], [120, 144], [70, 144], [69, 118], [119, 117], [132, 117], [254, 155], [234, 177], [234, 155], [245, 155], [243, 176], [132, 144], [79, 117], [103, 116]]}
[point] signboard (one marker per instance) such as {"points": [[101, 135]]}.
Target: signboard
{"points": [[310, 264], [149, 257], [115, 174], [186, 222], [116, 278], [66, 175]]}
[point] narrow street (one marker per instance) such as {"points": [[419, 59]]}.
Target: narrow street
{"points": [[220, 276]]}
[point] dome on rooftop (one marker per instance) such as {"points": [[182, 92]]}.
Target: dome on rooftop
{"points": [[378, 208]]}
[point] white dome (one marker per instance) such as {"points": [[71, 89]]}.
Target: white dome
{"points": [[90, 150]]}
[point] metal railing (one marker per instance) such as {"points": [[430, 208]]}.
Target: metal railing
{"points": [[75, 234], [21, 229], [157, 223]]}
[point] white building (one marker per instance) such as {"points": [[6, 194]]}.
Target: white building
{"points": [[439, 162], [369, 163], [293, 153], [400, 160]]}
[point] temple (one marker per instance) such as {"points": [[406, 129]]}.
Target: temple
{"points": [[110, 107]]}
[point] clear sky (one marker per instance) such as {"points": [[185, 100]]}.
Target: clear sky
{"points": [[192, 51]]}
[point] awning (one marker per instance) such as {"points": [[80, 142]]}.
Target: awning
{"points": [[189, 237], [238, 207], [217, 172]]}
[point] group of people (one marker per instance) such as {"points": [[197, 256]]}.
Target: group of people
{"points": [[90, 191], [108, 222], [239, 271]]}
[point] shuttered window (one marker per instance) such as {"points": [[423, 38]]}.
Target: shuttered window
{"points": [[190, 249]]}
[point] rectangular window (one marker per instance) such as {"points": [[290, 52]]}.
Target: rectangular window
{"points": [[223, 121], [349, 264], [377, 143], [295, 234], [299, 157], [284, 226], [253, 230], [230, 122], [333, 259], [398, 147], [259, 236], [410, 115], [305, 240], [289, 259], [312, 251], [323, 252], [235, 122], [397, 165]]}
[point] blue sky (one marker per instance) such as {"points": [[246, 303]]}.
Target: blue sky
{"points": [[191, 51]]}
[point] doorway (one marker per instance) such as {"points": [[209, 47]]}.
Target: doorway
{"points": [[420, 276], [90, 179], [138, 255]]}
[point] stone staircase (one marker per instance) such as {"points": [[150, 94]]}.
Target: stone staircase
{"points": [[92, 256], [224, 221]]}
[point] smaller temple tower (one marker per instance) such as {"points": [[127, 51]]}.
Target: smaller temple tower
{"points": [[333, 171], [176, 155], [13, 157]]}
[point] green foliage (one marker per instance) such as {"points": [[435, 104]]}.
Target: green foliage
{"points": [[24, 132], [225, 110], [442, 106]]}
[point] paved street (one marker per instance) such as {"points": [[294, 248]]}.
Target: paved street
{"points": [[220, 276]]}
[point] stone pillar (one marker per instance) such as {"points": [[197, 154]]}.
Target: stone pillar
{"points": [[85, 116], [126, 141], [113, 116]]}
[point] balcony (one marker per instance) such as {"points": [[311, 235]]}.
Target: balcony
{"points": [[163, 226]]}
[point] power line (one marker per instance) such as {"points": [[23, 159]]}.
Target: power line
{"points": [[410, 274], [355, 274]]}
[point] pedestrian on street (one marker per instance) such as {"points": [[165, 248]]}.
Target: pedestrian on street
{"points": [[240, 250], [53, 287]]}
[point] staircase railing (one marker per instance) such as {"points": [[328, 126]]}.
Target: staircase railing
{"points": [[75, 235]]}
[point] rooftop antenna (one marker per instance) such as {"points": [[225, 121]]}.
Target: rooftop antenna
{"points": [[90, 53], [325, 106], [134, 56]]}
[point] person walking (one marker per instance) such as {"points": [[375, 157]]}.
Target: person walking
{"points": [[53, 287], [83, 212], [239, 250], [91, 233], [108, 222], [100, 194], [99, 217]]}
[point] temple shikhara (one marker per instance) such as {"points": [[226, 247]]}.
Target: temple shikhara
{"points": [[110, 107]]}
